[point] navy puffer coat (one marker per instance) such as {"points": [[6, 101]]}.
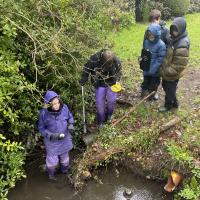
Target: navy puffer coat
{"points": [[158, 50]]}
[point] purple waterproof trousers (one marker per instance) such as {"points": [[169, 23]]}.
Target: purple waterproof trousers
{"points": [[53, 162], [105, 103]]}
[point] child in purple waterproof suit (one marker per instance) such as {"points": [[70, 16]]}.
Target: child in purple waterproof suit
{"points": [[104, 69], [56, 125]]}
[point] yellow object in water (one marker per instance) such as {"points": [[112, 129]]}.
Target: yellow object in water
{"points": [[116, 87], [174, 180], [176, 177]]}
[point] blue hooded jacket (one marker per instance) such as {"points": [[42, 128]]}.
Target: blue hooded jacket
{"points": [[53, 123], [157, 49]]}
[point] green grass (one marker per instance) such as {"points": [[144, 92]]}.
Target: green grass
{"points": [[193, 24], [128, 43]]}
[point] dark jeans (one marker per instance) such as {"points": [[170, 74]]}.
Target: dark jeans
{"points": [[170, 93], [150, 83]]}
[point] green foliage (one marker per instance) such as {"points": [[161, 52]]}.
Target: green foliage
{"points": [[191, 190], [194, 6], [179, 153], [11, 162], [138, 139], [150, 5], [44, 45], [177, 7], [54, 49], [145, 12], [121, 15], [183, 156], [16, 111], [169, 8]]}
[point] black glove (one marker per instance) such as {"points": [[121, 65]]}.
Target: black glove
{"points": [[71, 128], [57, 136], [145, 58], [82, 82]]}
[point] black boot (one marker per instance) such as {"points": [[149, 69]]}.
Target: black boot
{"points": [[175, 104], [144, 93]]}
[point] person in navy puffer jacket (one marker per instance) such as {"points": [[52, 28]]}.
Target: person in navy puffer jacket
{"points": [[157, 47]]}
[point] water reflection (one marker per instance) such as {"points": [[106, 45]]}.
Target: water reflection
{"points": [[37, 186]]}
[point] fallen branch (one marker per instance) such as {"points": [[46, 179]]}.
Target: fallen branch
{"points": [[95, 153], [132, 110], [170, 124]]}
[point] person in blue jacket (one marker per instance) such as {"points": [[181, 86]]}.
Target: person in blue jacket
{"points": [[56, 125], [157, 47]]}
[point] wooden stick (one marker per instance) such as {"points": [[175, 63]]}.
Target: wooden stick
{"points": [[132, 109], [170, 124]]}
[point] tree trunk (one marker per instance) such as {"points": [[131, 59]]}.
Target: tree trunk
{"points": [[138, 11]]}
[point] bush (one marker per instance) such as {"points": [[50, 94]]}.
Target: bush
{"points": [[17, 112], [12, 159], [150, 5], [194, 6], [43, 46], [37, 55], [177, 7], [121, 14]]}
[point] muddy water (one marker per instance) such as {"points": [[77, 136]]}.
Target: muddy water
{"points": [[37, 187]]}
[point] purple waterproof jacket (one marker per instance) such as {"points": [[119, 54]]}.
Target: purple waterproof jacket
{"points": [[55, 122]]}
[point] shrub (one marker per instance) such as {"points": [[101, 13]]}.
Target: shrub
{"points": [[121, 14], [194, 6], [16, 108], [177, 7], [11, 159], [43, 46], [150, 5]]}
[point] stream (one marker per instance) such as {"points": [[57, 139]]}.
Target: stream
{"points": [[110, 187]]}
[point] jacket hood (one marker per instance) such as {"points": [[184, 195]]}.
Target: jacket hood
{"points": [[182, 39], [162, 23], [180, 24], [155, 30], [49, 95]]}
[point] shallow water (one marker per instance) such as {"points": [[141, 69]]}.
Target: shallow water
{"points": [[37, 186]]}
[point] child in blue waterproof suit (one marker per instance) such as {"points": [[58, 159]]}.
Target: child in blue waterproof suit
{"points": [[157, 47], [56, 125]]}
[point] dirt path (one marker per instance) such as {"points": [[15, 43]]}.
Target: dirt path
{"points": [[188, 92], [189, 88]]}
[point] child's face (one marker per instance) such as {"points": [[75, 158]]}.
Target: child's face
{"points": [[55, 104], [151, 37], [157, 20], [175, 33]]}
